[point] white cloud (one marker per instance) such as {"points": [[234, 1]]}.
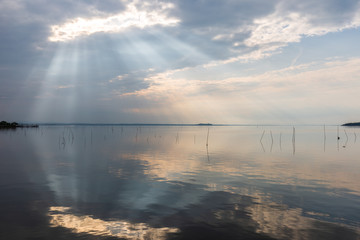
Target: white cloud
{"points": [[266, 35], [296, 90], [133, 16], [282, 27]]}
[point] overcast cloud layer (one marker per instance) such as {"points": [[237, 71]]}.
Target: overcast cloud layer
{"points": [[180, 61]]}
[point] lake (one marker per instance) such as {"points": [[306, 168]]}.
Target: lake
{"points": [[180, 182]]}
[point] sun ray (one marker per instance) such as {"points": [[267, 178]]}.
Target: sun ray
{"points": [[59, 84]]}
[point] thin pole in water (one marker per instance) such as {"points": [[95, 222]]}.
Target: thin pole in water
{"points": [[347, 138], [262, 135], [355, 137]]}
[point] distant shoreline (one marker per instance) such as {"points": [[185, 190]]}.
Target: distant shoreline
{"points": [[8, 125], [353, 124], [182, 124], [13, 125]]}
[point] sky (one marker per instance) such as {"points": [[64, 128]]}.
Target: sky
{"points": [[181, 61]]}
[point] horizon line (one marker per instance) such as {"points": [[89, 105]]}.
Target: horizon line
{"points": [[173, 124]]}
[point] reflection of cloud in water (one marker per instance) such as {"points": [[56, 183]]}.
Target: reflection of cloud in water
{"points": [[277, 169], [62, 217], [281, 222]]}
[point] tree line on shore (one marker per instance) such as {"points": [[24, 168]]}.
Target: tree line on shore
{"points": [[4, 124]]}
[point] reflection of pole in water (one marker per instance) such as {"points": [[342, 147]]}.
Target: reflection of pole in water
{"points": [[207, 138], [262, 146], [293, 140], [207, 153], [324, 138], [136, 135], [354, 137], [72, 139], [63, 142], [347, 139], [280, 142], [177, 138], [338, 138], [272, 141], [261, 141], [262, 136]]}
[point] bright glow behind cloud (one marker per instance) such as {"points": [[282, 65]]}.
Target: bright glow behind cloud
{"points": [[131, 17]]}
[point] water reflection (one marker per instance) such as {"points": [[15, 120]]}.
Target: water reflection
{"points": [[62, 217], [164, 182]]}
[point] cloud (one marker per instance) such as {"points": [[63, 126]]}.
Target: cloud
{"points": [[128, 83], [132, 17], [284, 26], [286, 90]]}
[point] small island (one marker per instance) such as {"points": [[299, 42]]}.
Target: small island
{"points": [[13, 125], [204, 124], [353, 124]]}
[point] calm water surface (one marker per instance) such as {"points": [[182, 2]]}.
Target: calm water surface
{"points": [[180, 182]]}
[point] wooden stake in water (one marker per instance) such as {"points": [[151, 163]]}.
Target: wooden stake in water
{"points": [[355, 137], [261, 141], [177, 137], [347, 138], [262, 135]]}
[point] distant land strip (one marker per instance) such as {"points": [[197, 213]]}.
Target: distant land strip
{"points": [[351, 124], [7, 125]]}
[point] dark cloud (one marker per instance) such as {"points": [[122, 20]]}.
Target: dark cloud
{"points": [[129, 83], [215, 14]]}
